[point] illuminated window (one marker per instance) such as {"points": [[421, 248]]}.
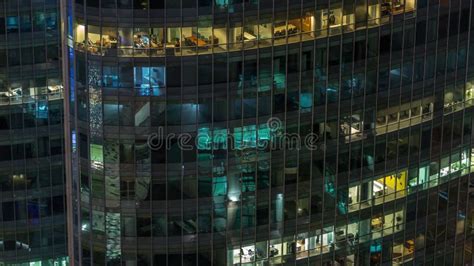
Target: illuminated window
{"points": [[219, 186], [150, 80]]}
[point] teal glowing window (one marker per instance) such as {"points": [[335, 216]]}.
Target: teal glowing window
{"points": [[248, 184], [12, 24], [250, 137], [342, 202], [376, 247], [279, 81], [215, 139], [306, 100], [219, 186], [329, 183], [221, 3]]}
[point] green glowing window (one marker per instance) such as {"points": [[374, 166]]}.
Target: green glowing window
{"points": [[96, 153]]}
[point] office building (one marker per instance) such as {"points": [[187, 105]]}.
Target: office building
{"points": [[32, 200], [383, 89]]}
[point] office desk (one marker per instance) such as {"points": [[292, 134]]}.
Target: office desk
{"points": [[284, 28], [197, 41], [249, 36]]}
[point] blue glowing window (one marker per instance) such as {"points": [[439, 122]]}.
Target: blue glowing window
{"points": [[42, 110], [74, 141], [71, 75], [33, 212], [12, 24], [150, 80], [110, 76], [51, 21]]}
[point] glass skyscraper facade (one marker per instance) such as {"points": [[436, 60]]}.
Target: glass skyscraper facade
{"points": [[370, 102], [32, 199]]}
